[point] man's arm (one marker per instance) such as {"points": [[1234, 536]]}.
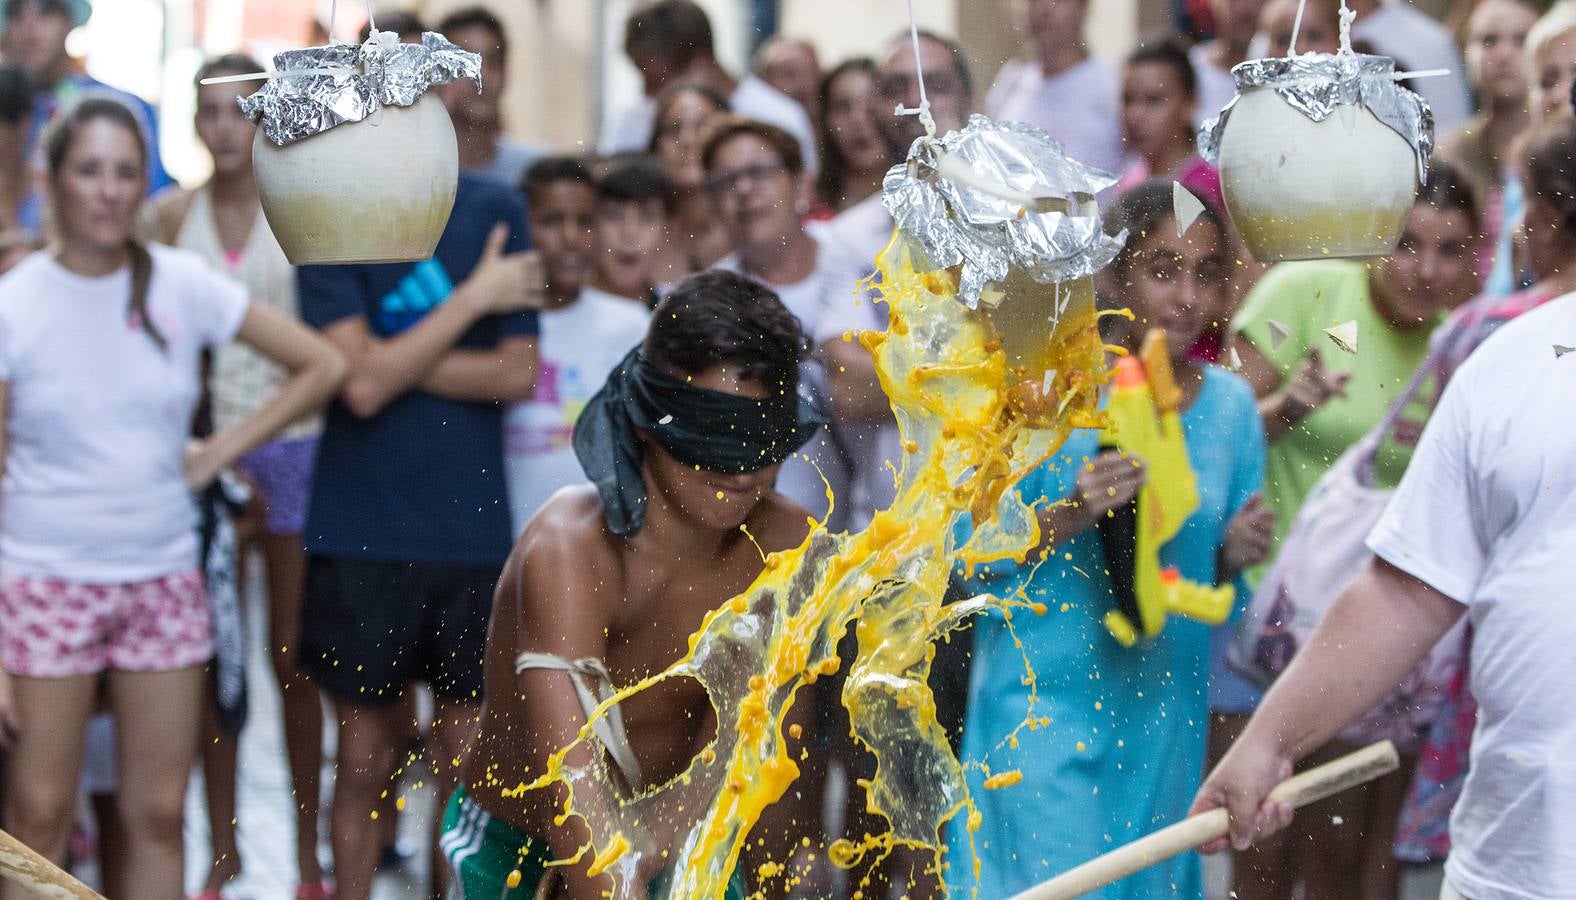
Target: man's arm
{"points": [[1374, 634], [380, 371], [554, 579], [503, 374], [857, 398]]}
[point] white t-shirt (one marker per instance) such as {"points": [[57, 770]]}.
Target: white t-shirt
{"points": [[579, 345], [852, 242], [629, 129], [1216, 87], [94, 488], [1077, 106], [1419, 41], [1486, 514]]}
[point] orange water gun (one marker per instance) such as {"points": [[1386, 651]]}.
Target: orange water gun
{"points": [[1144, 417]]}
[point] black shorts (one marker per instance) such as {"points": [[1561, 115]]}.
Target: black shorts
{"points": [[369, 627]]}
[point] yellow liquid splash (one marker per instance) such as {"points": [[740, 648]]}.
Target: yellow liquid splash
{"points": [[981, 398]]}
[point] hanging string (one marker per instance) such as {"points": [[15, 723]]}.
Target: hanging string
{"points": [[1296, 28], [923, 111], [1347, 18], [333, 14]]}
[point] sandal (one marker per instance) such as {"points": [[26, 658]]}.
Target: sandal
{"points": [[320, 891]]}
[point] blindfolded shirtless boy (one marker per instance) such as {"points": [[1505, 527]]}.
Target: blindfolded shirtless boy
{"points": [[682, 446]]}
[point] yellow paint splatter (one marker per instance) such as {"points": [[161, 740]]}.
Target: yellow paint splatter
{"points": [[982, 398], [1003, 780]]}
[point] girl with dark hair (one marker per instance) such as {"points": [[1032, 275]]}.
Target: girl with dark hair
{"points": [[223, 223], [695, 240], [854, 157], [1121, 753], [98, 546], [1317, 399], [1159, 104]]}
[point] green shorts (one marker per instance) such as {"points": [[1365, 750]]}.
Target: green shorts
{"points": [[482, 852]]}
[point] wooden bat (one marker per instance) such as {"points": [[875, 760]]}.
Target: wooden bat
{"points": [[21, 865], [1195, 831]]}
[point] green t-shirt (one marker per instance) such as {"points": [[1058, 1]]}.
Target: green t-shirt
{"points": [[1307, 298]]}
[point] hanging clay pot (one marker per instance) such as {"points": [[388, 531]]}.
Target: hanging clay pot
{"points": [[378, 190], [1303, 189], [355, 160], [1320, 155]]}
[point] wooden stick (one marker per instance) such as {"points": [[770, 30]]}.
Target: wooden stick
{"points": [[20, 864], [1195, 831]]}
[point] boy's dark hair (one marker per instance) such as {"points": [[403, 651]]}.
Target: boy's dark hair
{"points": [[673, 30], [1168, 52], [397, 21], [1550, 165], [16, 95], [228, 64], [716, 318], [785, 145], [633, 177], [552, 170], [471, 16]]}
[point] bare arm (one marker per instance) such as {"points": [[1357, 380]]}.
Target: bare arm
{"points": [[1374, 634], [315, 372], [857, 398], [383, 370], [504, 374], [549, 575]]}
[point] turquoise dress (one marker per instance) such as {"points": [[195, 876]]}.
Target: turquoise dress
{"points": [[1123, 752]]}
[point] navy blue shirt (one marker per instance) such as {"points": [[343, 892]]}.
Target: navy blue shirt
{"points": [[421, 481]]}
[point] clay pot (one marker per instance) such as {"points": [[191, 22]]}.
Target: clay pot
{"points": [[374, 191], [1299, 189]]}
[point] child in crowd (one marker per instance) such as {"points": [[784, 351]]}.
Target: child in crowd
{"points": [[633, 202], [615, 575], [1123, 750], [1159, 100], [585, 331]]}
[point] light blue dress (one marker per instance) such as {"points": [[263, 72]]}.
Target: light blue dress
{"points": [[1124, 751]]}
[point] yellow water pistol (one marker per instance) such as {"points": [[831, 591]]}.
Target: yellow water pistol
{"points": [[1144, 421]]}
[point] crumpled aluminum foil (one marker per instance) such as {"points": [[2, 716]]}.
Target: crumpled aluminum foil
{"points": [[1059, 238], [317, 88], [1315, 84]]}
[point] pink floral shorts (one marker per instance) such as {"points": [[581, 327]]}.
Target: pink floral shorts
{"points": [[52, 628]]}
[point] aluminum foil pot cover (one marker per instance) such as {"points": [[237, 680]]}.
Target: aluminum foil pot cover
{"points": [[1316, 84], [1058, 238], [317, 88]]}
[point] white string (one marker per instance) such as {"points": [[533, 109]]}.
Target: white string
{"points": [[1347, 17], [1296, 28], [919, 72], [333, 13]]}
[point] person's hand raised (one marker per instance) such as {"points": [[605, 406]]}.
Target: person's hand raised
{"points": [[1250, 536], [1310, 387], [505, 283]]}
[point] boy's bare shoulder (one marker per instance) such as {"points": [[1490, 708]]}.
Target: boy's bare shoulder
{"points": [[569, 527]]}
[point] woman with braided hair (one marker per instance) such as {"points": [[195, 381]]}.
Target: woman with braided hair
{"points": [[98, 545]]}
